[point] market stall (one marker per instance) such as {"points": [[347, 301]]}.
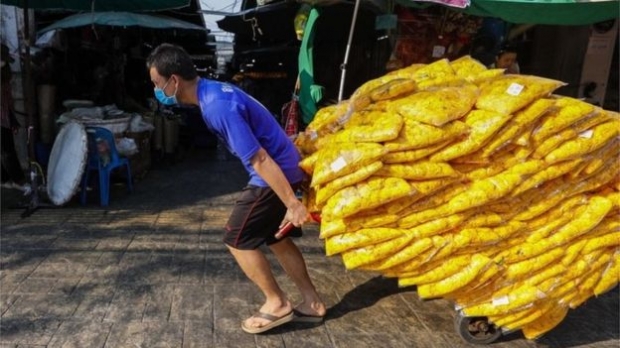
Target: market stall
{"points": [[38, 151], [425, 31]]}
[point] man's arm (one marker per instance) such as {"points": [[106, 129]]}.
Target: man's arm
{"points": [[269, 170]]}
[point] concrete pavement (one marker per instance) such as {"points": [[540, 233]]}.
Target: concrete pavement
{"points": [[150, 271]]}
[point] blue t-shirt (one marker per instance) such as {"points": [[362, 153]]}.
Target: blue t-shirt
{"points": [[244, 125]]}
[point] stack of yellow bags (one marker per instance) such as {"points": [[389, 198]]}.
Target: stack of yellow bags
{"points": [[483, 188]]}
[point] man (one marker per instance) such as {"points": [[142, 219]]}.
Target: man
{"points": [[251, 133], [507, 59]]}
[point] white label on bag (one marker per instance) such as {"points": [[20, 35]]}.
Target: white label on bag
{"points": [[501, 301], [586, 134], [514, 89], [338, 164]]}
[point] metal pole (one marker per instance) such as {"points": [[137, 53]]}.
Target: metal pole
{"points": [[27, 84], [29, 105], [343, 67]]}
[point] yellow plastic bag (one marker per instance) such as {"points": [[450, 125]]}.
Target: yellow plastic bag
{"points": [[373, 253], [510, 93], [569, 111], [522, 121], [444, 270], [546, 174], [484, 191], [427, 187], [409, 252], [366, 195], [370, 127], [361, 238], [406, 72], [413, 155], [393, 89], [546, 322], [610, 277], [467, 67], [307, 163], [329, 189], [455, 281], [383, 88], [343, 159], [437, 107], [430, 73], [356, 222], [306, 142], [422, 170], [484, 124], [485, 77], [586, 142], [417, 135], [328, 119]]}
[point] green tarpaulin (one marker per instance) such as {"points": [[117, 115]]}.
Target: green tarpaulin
{"points": [[99, 5], [553, 12], [308, 96], [121, 19]]}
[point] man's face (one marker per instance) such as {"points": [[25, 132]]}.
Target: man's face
{"points": [[166, 90], [169, 86], [506, 60]]}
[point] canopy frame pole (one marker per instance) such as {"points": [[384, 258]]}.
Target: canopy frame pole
{"points": [[343, 66], [27, 86], [29, 100]]}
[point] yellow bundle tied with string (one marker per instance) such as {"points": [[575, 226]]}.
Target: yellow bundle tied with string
{"points": [[482, 188]]}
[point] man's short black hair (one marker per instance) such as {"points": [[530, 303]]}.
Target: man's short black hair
{"points": [[507, 47], [170, 59]]}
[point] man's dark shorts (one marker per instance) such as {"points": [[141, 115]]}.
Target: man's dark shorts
{"points": [[256, 218]]}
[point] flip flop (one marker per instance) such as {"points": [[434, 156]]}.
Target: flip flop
{"points": [[306, 318], [275, 322]]}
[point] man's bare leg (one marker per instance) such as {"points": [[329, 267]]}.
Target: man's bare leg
{"points": [[256, 267], [294, 265]]}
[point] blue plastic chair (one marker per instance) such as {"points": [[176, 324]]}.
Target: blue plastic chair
{"points": [[104, 158]]}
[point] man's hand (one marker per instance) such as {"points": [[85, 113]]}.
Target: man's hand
{"points": [[296, 213]]}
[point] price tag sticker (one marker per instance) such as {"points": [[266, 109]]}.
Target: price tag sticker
{"points": [[515, 89], [501, 301], [586, 134], [338, 164], [438, 51]]}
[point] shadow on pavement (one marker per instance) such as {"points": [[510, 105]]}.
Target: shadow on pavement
{"points": [[365, 295]]}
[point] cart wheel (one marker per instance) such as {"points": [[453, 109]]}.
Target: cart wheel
{"points": [[476, 330]]}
